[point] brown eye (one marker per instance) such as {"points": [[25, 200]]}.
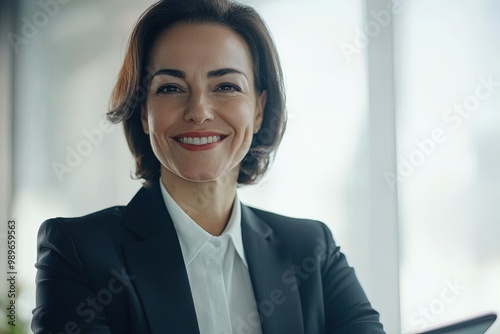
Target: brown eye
{"points": [[228, 87], [168, 89]]}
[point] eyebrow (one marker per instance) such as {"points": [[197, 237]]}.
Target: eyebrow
{"points": [[223, 71], [212, 74]]}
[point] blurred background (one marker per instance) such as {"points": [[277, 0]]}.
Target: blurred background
{"points": [[393, 139]]}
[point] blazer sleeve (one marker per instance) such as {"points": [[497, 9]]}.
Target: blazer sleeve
{"points": [[347, 309], [63, 289]]}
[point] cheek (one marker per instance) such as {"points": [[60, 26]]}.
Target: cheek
{"points": [[161, 118], [240, 116]]}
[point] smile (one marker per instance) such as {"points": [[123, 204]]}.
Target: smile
{"points": [[199, 140]]}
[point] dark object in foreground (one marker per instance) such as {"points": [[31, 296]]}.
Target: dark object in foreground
{"points": [[476, 325]]}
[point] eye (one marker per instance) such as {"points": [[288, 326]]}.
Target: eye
{"points": [[168, 89], [228, 87]]}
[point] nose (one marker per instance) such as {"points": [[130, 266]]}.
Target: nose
{"points": [[199, 109]]}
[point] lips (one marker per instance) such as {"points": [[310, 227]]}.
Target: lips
{"points": [[199, 140]]}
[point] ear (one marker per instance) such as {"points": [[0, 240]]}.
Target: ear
{"points": [[144, 119], [259, 111]]}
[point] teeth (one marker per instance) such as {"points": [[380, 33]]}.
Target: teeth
{"points": [[199, 140]]}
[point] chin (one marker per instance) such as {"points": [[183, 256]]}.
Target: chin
{"points": [[201, 176], [198, 179]]}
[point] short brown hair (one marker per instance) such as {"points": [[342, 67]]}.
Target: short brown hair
{"points": [[130, 90]]}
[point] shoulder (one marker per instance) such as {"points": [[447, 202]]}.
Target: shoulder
{"points": [[92, 228], [296, 231], [281, 221], [101, 218]]}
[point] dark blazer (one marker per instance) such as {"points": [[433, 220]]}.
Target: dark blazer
{"points": [[121, 270]]}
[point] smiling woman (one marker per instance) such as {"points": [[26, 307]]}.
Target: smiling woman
{"points": [[201, 98], [202, 90], [210, 93]]}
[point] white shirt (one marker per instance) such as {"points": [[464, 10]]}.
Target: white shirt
{"points": [[218, 273]]}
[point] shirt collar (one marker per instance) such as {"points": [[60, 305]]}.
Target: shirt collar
{"points": [[192, 237]]}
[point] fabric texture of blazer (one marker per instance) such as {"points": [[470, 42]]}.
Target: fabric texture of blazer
{"points": [[121, 270]]}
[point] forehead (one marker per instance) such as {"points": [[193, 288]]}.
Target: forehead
{"points": [[200, 47]]}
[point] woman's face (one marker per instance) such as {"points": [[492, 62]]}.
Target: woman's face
{"points": [[202, 109]]}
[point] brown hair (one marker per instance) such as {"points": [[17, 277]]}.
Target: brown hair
{"points": [[130, 91]]}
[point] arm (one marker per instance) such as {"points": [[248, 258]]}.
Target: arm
{"points": [[62, 286], [347, 309]]}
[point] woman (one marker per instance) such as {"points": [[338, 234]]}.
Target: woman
{"points": [[201, 98]]}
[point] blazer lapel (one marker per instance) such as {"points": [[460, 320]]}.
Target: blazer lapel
{"points": [[279, 306], [156, 262]]}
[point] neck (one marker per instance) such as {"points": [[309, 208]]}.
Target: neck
{"points": [[209, 203]]}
